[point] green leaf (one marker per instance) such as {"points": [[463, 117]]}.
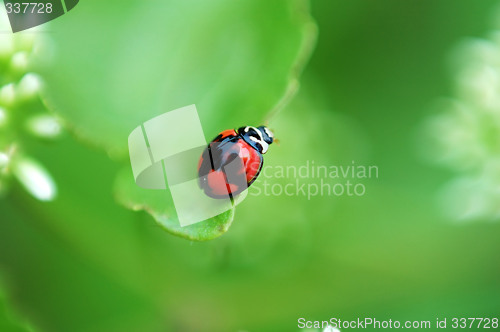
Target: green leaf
{"points": [[238, 61], [156, 203], [118, 64]]}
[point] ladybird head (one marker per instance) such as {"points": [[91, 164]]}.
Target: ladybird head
{"points": [[259, 137]]}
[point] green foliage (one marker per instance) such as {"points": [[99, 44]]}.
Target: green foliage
{"points": [[9, 322], [465, 135], [234, 60], [23, 116], [83, 263], [156, 203]]}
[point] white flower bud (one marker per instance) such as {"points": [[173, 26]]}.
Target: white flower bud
{"points": [[35, 179], [3, 116], [45, 126], [4, 160], [20, 61], [7, 94], [30, 85]]}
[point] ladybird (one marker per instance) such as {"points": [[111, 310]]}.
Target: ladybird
{"points": [[232, 161]]}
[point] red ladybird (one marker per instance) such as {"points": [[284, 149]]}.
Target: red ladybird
{"points": [[233, 160]]}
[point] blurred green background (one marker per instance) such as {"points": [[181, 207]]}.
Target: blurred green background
{"points": [[83, 262]]}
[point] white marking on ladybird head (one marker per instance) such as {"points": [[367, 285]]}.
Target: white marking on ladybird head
{"points": [[268, 132], [263, 145], [247, 129], [257, 136]]}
